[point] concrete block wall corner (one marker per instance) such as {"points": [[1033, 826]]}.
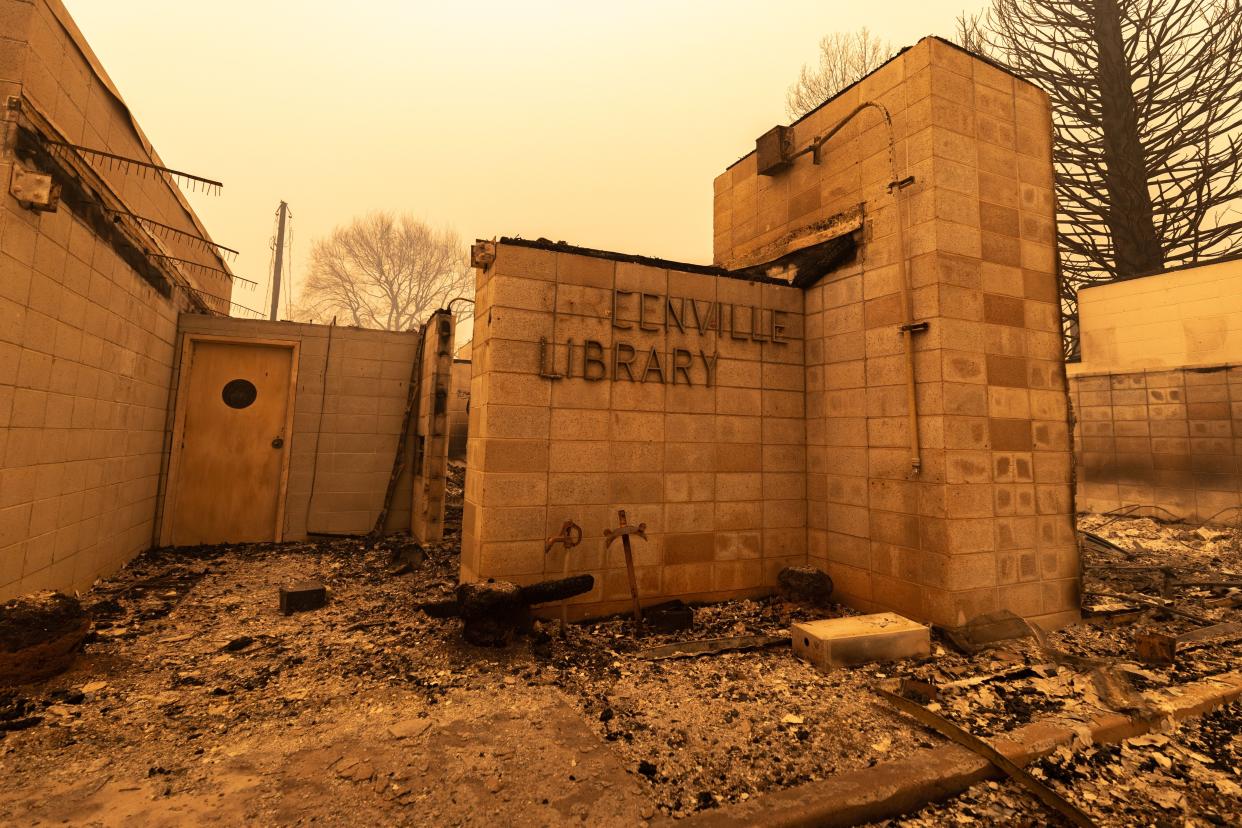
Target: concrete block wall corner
{"points": [[799, 451]]}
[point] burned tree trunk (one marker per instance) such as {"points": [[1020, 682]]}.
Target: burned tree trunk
{"points": [[1136, 246], [491, 612], [557, 590]]}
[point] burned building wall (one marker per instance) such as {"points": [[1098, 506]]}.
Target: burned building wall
{"points": [[1158, 394], [459, 410], [675, 392], [87, 319], [937, 169], [349, 408], [986, 521], [811, 452], [431, 426]]}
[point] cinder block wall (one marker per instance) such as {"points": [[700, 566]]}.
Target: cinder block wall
{"points": [[86, 342], [47, 63], [1161, 442], [1158, 394], [987, 523], [1183, 318], [716, 471], [349, 406]]}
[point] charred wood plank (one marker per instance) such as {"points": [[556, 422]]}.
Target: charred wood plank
{"points": [[952, 732]]}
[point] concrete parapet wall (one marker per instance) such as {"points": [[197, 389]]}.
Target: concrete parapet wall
{"points": [[1166, 439], [704, 442], [1184, 318]]}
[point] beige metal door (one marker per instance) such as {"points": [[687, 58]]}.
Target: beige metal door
{"points": [[230, 449]]}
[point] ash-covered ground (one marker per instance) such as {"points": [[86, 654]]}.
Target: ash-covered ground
{"points": [[195, 699]]}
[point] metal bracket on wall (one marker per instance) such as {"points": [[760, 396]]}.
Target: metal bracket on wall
{"points": [[34, 190], [901, 184]]}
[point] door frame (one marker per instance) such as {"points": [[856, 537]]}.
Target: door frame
{"points": [[184, 370]]}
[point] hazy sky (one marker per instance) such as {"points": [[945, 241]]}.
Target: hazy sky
{"points": [[600, 124]]}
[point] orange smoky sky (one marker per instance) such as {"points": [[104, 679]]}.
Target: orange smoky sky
{"points": [[601, 124]]}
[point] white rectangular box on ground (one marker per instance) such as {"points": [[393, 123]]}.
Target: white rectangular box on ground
{"points": [[840, 642]]}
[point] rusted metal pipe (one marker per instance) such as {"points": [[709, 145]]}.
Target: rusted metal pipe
{"points": [[569, 537], [908, 327], [623, 532]]}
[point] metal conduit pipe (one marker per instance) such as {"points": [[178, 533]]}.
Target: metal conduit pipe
{"points": [[908, 326]]}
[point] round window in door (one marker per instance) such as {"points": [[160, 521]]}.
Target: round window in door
{"points": [[239, 393]]}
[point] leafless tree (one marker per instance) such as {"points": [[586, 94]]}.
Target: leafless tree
{"points": [[970, 32], [1147, 110], [384, 271], [843, 59]]}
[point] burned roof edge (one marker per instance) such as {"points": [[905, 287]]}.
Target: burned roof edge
{"points": [[633, 258]]}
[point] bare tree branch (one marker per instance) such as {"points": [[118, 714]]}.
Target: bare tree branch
{"points": [[384, 271], [970, 33], [843, 59], [1147, 108]]}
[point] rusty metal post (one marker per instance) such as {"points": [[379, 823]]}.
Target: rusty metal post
{"points": [[624, 531], [629, 570]]}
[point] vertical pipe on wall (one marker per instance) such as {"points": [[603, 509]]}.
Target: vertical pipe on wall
{"points": [[908, 326]]}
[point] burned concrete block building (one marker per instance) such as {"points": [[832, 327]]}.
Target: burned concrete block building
{"points": [[133, 411], [868, 379], [1157, 393]]}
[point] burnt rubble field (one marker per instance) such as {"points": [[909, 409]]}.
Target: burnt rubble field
{"points": [[195, 700]]}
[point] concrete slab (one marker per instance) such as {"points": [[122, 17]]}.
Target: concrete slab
{"points": [[840, 642]]}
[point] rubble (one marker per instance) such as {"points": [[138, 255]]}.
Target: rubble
{"points": [[987, 630], [161, 688], [1185, 776], [711, 646], [1042, 792], [39, 636], [805, 583]]}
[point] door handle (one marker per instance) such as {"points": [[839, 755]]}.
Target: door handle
{"points": [[278, 442]]}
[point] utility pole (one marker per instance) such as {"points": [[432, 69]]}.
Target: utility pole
{"points": [[280, 255]]}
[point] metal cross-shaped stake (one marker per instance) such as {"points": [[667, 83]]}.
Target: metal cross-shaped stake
{"points": [[624, 532], [569, 537]]}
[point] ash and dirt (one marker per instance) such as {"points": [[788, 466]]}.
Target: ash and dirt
{"points": [[191, 669], [1184, 776], [1188, 777], [195, 699]]}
